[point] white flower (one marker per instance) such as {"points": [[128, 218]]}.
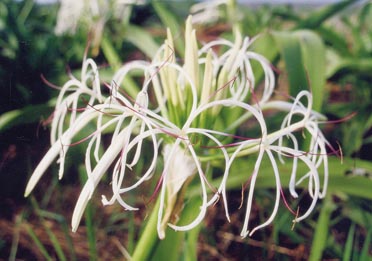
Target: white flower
{"points": [[180, 168], [206, 11], [211, 11], [93, 14], [68, 16], [191, 116]]}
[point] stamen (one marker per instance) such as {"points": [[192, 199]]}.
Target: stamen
{"points": [[49, 83]]}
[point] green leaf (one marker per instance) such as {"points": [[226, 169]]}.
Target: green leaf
{"points": [[170, 21], [65, 228], [38, 243], [322, 229], [149, 237], [303, 52], [317, 17], [313, 56], [113, 58], [334, 39], [364, 255], [52, 237], [291, 52], [338, 180], [110, 53], [264, 46], [348, 249], [170, 247], [142, 39], [358, 66], [29, 114]]}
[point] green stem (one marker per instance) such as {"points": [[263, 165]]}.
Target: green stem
{"points": [[322, 229], [149, 237]]}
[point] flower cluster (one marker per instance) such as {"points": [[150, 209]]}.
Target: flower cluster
{"points": [[184, 119], [93, 14]]}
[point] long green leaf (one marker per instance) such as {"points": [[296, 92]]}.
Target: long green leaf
{"points": [[317, 17], [113, 58], [110, 53], [16, 233], [170, 21], [334, 39], [169, 247], [264, 45], [149, 237], [29, 114], [65, 228], [291, 52], [364, 255], [313, 57], [322, 229], [52, 237], [338, 182], [38, 243], [348, 249], [303, 52], [142, 39], [358, 66]]}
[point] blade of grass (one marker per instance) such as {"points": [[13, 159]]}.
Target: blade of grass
{"points": [[357, 214], [52, 237], [48, 193], [322, 229], [304, 55], [364, 254], [89, 216], [15, 240], [131, 231], [334, 246], [38, 243], [282, 226], [348, 249], [65, 228]]}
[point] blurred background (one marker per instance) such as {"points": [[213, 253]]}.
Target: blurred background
{"points": [[42, 43]]}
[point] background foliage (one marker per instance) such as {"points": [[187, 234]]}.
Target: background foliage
{"points": [[327, 49]]}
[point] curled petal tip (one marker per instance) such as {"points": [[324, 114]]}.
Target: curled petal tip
{"points": [[26, 193], [80, 207], [161, 234], [31, 184]]}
